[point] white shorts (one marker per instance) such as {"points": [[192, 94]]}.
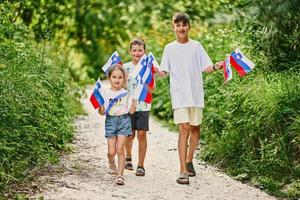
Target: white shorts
{"points": [[191, 115]]}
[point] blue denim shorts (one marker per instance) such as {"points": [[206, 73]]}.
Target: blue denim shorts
{"points": [[117, 125]]}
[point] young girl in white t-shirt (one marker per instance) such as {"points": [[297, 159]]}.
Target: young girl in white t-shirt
{"points": [[117, 104]]}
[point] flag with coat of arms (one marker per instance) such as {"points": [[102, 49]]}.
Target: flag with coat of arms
{"points": [[113, 60]]}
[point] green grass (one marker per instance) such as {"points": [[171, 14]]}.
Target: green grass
{"points": [[252, 130]]}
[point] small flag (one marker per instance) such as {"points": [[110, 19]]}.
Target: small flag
{"points": [[152, 64], [241, 63], [97, 96], [155, 63], [227, 70], [141, 67], [113, 60], [142, 93]]}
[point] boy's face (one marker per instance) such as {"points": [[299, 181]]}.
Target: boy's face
{"points": [[136, 52], [181, 30]]}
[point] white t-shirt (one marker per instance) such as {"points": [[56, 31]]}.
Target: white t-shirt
{"points": [[131, 86], [185, 63], [117, 106]]}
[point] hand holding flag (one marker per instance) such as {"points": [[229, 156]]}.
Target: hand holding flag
{"points": [[239, 62], [96, 98]]}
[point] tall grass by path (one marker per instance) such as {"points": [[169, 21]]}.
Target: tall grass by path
{"points": [[35, 110], [253, 131]]}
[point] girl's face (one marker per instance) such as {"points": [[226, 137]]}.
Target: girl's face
{"points": [[136, 52], [116, 79]]}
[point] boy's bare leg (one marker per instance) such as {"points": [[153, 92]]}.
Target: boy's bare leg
{"points": [[121, 140], [193, 142], [129, 144], [184, 130], [142, 138]]}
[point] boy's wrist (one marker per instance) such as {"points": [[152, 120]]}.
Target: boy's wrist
{"points": [[214, 67]]}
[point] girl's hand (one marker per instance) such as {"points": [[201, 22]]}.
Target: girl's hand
{"points": [[101, 110]]}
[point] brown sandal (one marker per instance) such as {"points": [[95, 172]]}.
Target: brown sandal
{"points": [[120, 180], [183, 179]]}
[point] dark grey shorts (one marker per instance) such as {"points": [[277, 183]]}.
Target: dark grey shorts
{"points": [[140, 120], [117, 125]]}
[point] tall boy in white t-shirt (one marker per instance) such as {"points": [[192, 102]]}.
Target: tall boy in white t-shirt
{"points": [[184, 60]]}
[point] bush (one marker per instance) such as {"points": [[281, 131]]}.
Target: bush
{"points": [[35, 122], [253, 132]]}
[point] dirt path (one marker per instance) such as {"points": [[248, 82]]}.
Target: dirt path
{"points": [[83, 174]]}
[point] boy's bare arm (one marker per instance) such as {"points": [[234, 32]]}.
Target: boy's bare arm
{"points": [[210, 69], [160, 73], [101, 110], [132, 106]]}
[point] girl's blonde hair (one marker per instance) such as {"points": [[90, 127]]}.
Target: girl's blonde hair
{"points": [[119, 67], [115, 68]]}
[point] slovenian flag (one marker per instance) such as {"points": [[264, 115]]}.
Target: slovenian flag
{"points": [[96, 98], [140, 68], [240, 62], [113, 60], [142, 93], [152, 65], [227, 70]]}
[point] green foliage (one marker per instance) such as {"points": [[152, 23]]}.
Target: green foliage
{"points": [[34, 119], [37, 99], [255, 135], [274, 29], [251, 126]]}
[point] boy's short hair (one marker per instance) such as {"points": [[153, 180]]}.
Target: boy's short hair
{"points": [[137, 41], [180, 17]]}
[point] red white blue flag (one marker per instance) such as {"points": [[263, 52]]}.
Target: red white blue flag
{"points": [[144, 74], [142, 93], [240, 62], [227, 70], [113, 60], [96, 98], [152, 64], [140, 68]]}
